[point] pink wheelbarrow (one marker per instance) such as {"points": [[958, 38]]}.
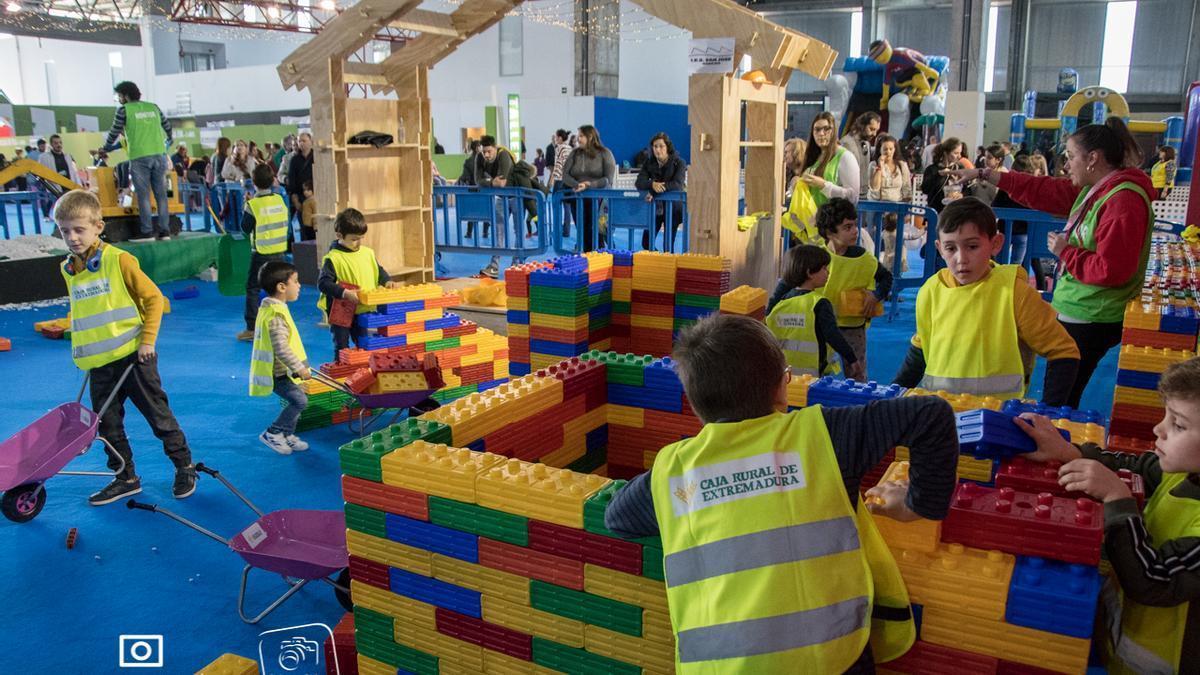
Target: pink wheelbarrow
{"points": [[300, 545], [412, 402], [40, 451]]}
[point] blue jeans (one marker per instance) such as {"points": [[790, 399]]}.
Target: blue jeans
{"points": [[1020, 245], [296, 400], [150, 173]]}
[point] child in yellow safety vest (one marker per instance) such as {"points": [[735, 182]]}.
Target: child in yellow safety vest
{"points": [[772, 563], [266, 223], [116, 311], [349, 261], [1153, 612], [857, 282], [278, 360], [976, 319], [804, 320]]}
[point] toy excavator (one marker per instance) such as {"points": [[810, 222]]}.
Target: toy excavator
{"points": [[120, 222]]}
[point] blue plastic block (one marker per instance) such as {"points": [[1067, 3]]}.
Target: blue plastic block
{"points": [[434, 592], [598, 437], [601, 311], [186, 293], [833, 393], [477, 446], [660, 374], [376, 320], [380, 342], [1053, 596], [517, 369], [1138, 379], [518, 316], [400, 307], [599, 287], [448, 321], [557, 278], [693, 313], [492, 384], [1015, 407], [988, 434], [570, 263], [563, 349], [430, 537], [1179, 320], [620, 258], [645, 397]]}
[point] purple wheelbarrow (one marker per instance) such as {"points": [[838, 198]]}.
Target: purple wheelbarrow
{"points": [[413, 402], [40, 451], [300, 545]]}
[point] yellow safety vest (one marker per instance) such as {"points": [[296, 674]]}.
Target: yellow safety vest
{"points": [[354, 267], [768, 568], [830, 174], [800, 216], [794, 322], [262, 357], [1149, 639], [969, 335], [847, 274], [270, 234], [1158, 175], [106, 324]]}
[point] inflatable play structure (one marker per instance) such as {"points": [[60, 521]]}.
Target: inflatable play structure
{"points": [[899, 83]]}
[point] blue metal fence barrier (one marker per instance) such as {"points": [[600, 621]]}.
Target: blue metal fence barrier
{"points": [[29, 206], [470, 219], [625, 211]]}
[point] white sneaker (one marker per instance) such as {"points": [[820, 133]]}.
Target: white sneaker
{"points": [[296, 444], [142, 239], [276, 442]]}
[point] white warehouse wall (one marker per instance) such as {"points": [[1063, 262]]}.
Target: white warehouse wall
{"points": [[653, 63], [82, 73]]}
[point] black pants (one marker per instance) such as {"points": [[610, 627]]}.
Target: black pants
{"points": [[144, 388], [1094, 340], [660, 217], [342, 335], [585, 221], [257, 260]]}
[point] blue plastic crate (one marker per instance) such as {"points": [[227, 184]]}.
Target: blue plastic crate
{"points": [[435, 592], [1138, 379], [381, 342], [518, 316], [645, 397], [400, 307], [1015, 407], [1053, 596], [987, 434], [833, 393], [430, 537]]}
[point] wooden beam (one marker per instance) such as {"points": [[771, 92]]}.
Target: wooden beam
{"points": [[365, 73], [471, 18], [427, 22]]}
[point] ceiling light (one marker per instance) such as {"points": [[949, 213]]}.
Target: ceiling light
{"points": [[327, 5], [12, 6], [273, 12]]}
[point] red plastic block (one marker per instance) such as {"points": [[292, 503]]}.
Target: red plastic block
{"points": [[5, 344], [1024, 523], [622, 472], [929, 659], [1140, 413], [1010, 668], [389, 362], [361, 380], [53, 333], [341, 417], [1157, 339], [433, 371], [624, 556], [536, 435], [652, 309], [387, 498], [529, 563], [370, 572], [341, 312], [486, 635], [558, 334], [684, 424], [343, 643], [1025, 475], [653, 297], [871, 478], [72, 537], [1129, 444], [465, 328], [339, 370], [1131, 428]]}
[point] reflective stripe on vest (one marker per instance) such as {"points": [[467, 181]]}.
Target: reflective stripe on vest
{"points": [[794, 321], [360, 268], [143, 130], [106, 324], [830, 174], [848, 274], [1101, 304], [968, 335], [270, 234], [262, 357], [765, 568]]}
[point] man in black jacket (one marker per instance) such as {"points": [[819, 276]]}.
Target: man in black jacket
{"points": [[300, 171]]}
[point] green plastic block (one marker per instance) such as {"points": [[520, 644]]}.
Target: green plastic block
{"points": [[594, 459], [652, 562], [365, 519], [600, 299], [374, 623], [397, 655], [479, 520], [444, 343], [692, 300], [593, 516], [585, 607], [622, 307], [576, 661], [680, 324]]}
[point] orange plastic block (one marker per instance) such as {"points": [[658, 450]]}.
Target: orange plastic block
{"points": [[1143, 315], [5, 344], [537, 491], [232, 664], [918, 535], [960, 402], [437, 469], [958, 578], [1018, 644], [532, 621]]}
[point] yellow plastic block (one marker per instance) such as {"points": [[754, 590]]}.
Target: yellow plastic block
{"points": [[540, 361], [388, 552], [919, 535], [743, 300], [477, 415], [451, 380], [402, 381], [423, 336], [556, 321], [970, 468], [598, 260], [604, 345], [1005, 641], [500, 369], [62, 322], [425, 315], [626, 416], [483, 579], [437, 469], [573, 449], [1082, 432], [958, 578], [232, 664], [399, 608], [1149, 359], [644, 321], [519, 304], [369, 666], [532, 621], [313, 386], [797, 391], [697, 261], [517, 330], [653, 656], [468, 657], [383, 296], [497, 663], [622, 289], [630, 589], [537, 491], [1146, 397], [1142, 315], [656, 627], [960, 402], [592, 419]]}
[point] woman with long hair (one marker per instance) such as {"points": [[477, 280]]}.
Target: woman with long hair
{"points": [[938, 180], [589, 166], [829, 169], [665, 171], [890, 179], [240, 166]]}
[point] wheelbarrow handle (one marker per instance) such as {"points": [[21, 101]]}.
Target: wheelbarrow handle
{"points": [[134, 504], [323, 378], [206, 469]]}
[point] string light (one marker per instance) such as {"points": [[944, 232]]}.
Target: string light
{"points": [[12, 7]]}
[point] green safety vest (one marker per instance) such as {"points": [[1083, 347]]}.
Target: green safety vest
{"points": [[354, 267], [106, 324], [143, 130], [830, 174], [262, 356], [969, 335], [1100, 304], [794, 322], [270, 233], [768, 568], [847, 274]]}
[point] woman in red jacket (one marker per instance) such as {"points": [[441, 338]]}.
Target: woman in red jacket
{"points": [[1103, 250]]}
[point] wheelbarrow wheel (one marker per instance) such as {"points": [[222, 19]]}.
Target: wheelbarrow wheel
{"points": [[22, 503], [343, 597]]}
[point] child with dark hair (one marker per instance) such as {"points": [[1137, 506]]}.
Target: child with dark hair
{"points": [[278, 361], [349, 262], [857, 282], [803, 319], [770, 556], [1154, 627], [265, 221], [976, 319]]}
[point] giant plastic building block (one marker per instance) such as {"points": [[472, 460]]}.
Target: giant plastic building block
{"points": [[1059, 653], [926, 658], [1024, 523], [959, 402], [537, 491], [987, 434], [832, 392], [437, 469], [919, 535], [958, 578], [1025, 475], [1054, 596], [1016, 407], [230, 664]]}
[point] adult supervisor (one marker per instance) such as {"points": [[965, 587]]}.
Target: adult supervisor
{"points": [[1102, 251], [147, 137]]}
